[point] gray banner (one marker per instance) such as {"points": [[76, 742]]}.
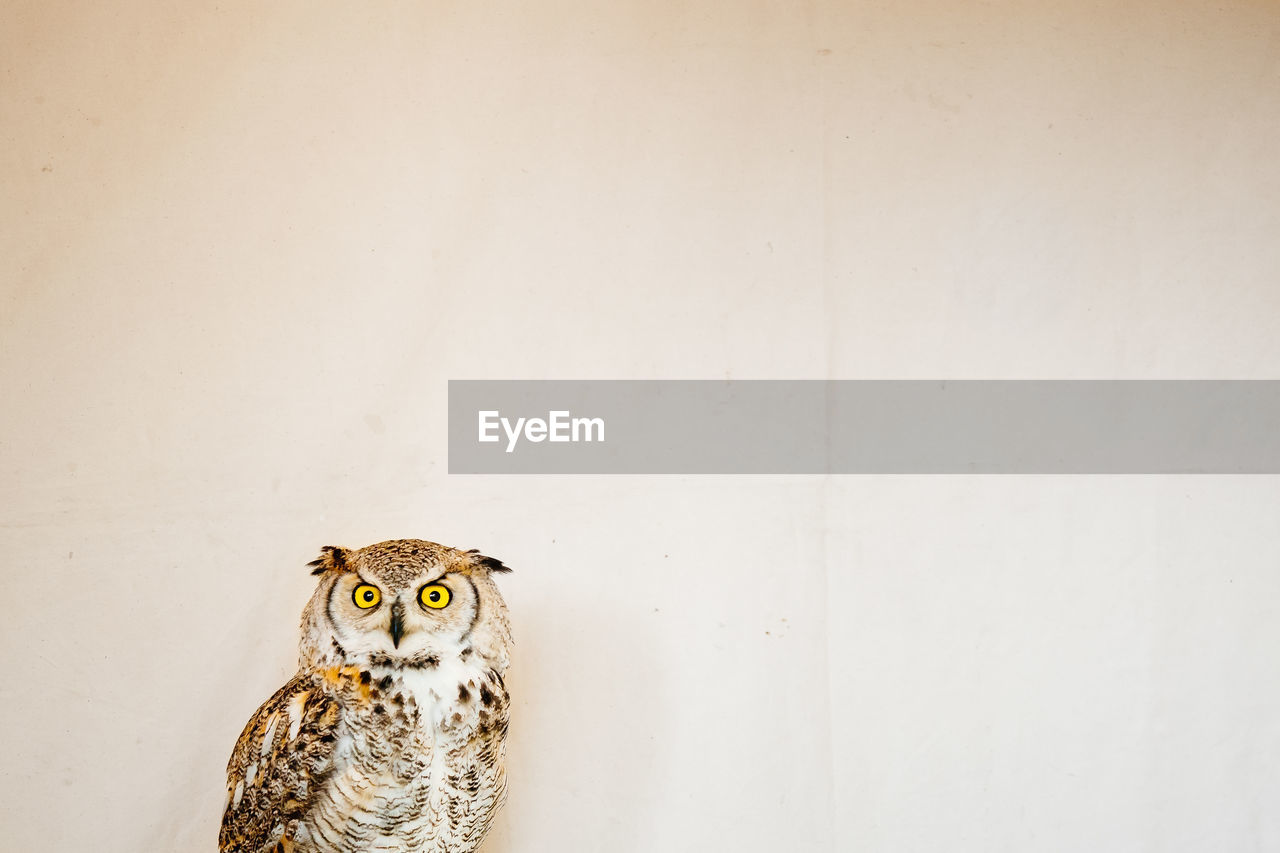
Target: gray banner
{"points": [[863, 427]]}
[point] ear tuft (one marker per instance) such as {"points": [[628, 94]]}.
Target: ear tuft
{"points": [[493, 564], [332, 559]]}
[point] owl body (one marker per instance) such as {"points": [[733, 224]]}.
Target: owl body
{"points": [[391, 737]]}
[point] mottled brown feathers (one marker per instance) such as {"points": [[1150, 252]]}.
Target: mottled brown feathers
{"points": [[491, 563], [335, 558], [392, 735], [288, 747], [332, 559]]}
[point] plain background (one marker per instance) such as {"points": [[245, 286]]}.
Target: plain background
{"points": [[245, 245]]}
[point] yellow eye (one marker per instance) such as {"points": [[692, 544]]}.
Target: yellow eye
{"points": [[366, 596], [434, 595]]}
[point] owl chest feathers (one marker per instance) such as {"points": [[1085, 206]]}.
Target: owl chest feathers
{"points": [[417, 760]]}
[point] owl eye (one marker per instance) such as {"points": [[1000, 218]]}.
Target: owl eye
{"points": [[434, 595], [366, 596]]}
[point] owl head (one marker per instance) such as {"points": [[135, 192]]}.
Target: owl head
{"points": [[403, 603]]}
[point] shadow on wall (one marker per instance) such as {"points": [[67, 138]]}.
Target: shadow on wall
{"points": [[585, 753]]}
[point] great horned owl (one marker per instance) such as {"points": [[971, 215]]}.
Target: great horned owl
{"points": [[392, 735]]}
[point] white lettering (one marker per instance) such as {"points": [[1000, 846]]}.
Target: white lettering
{"points": [[587, 424], [559, 426], [486, 424], [513, 435]]}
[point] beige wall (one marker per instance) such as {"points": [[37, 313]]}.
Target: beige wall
{"points": [[245, 245]]}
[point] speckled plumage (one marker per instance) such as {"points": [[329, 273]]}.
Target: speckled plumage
{"points": [[392, 735]]}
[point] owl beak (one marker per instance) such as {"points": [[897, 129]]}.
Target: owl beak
{"points": [[397, 623]]}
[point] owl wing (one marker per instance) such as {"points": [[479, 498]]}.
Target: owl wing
{"points": [[282, 758]]}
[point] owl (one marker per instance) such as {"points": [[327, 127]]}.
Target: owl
{"points": [[392, 735]]}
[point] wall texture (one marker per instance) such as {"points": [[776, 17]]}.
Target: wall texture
{"points": [[244, 246]]}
